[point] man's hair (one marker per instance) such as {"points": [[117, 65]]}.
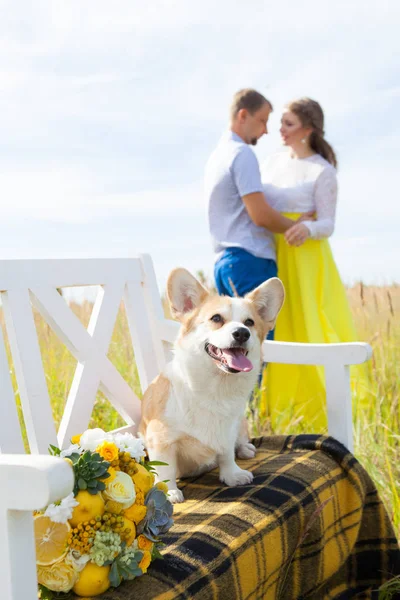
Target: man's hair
{"points": [[249, 99]]}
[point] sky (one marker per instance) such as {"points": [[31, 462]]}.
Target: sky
{"points": [[109, 111]]}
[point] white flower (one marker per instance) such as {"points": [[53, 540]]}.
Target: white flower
{"points": [[126, 442], [92, 438], [121, 489], [60, 513], [68, 451], [100, 558], [77, 560]]}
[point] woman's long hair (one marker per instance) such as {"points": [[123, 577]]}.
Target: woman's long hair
{"points": [[311, 115]]}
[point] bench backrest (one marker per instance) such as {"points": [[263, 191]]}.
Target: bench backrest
{"points": [[34, 283]]}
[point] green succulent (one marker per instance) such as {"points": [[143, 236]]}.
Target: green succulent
{"points": [[158, 516], [90, 470], [126, 566]]}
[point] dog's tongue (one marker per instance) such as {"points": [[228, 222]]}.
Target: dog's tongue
{"points": [[235, 359]]}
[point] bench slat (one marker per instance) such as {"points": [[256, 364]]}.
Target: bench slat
{"points": [[28, 365]]}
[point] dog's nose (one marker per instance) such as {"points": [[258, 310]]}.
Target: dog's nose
{"points": [[241, 334]]}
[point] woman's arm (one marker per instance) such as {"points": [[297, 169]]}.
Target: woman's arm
{"points": [[325, 193]]}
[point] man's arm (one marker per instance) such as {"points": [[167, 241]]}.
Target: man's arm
{"points": [[246, 174], [263, 215]]}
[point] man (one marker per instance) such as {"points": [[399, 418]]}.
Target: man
{"points": [[241, 221]]}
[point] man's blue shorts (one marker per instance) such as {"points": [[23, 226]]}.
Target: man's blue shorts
{"points": [[246, 272]]}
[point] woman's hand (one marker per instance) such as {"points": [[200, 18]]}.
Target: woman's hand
{"points": [[297, 234]]}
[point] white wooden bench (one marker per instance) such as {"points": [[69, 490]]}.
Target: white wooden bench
{"points": [[35, 480]]}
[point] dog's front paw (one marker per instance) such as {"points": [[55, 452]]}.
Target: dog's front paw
{"points": [[246, 450], [175, 496], [236, 477]]}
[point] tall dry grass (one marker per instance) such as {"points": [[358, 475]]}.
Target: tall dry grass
{"points": [[377, 429]]}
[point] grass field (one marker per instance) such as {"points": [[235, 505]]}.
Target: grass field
{"points": [[376, 429]]}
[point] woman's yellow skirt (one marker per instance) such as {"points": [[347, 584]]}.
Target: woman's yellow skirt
{"points": [[316, 310]]}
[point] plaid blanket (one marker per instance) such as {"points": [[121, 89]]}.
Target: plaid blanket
{"points": [[311, 526]]}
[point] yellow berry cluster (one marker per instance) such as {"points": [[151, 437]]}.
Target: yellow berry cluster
{"points": [[127, 464], [127, 532], [114, 521], [115, 463], [81, 538]]}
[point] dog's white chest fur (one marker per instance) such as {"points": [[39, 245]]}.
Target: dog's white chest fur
{"points": [[208, 415]]}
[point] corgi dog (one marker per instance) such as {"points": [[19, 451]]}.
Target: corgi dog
{"points": [[193, 412]]}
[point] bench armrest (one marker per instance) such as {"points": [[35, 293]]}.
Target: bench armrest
{"points": [[27, 482]]}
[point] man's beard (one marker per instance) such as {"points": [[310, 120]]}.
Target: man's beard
{"points": [[253, 141]]}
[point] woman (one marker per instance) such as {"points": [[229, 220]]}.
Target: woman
{"points": [[316, 308]]}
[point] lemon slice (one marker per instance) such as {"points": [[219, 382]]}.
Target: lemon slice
{"points": [[51, 540]]}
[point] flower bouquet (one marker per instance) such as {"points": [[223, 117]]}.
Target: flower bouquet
{"points": [[108, 529]]}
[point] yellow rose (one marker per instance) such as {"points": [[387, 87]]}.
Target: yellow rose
{"points": [[144, 543], [145, 562], [120, 489], [135, 513], [76, 439], [59, 577], [108, 451], [143, 479]]}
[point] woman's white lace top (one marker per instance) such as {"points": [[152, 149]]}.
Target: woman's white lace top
{"points": [[300, 185]]}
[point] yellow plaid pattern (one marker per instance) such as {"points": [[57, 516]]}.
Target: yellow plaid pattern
{"points": [[311, 526]]}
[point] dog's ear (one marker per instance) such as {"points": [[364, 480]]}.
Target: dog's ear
{"points": [[268, 300], [184, 292]]}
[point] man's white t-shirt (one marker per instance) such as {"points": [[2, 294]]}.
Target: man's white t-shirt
{"points": [[232, 172]]}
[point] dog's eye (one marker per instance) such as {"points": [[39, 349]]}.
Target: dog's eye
{"points": [[216, 319], [249, 323]]}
